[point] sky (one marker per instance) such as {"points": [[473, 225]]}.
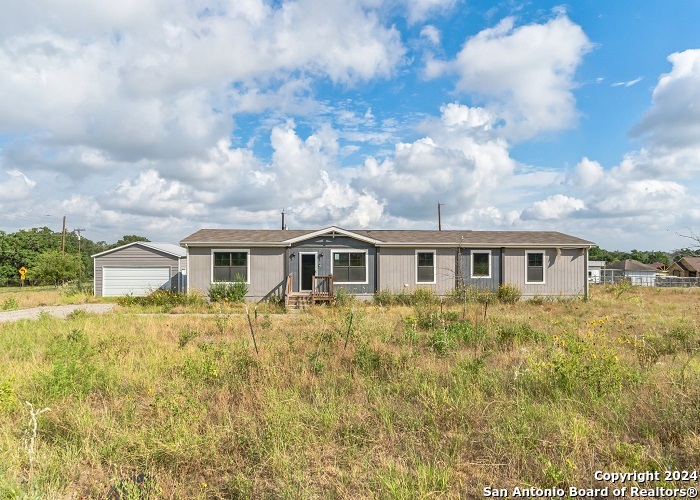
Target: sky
{"points": [[160, 118]]}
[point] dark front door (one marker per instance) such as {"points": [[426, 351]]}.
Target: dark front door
{"points": [[308, 270]]}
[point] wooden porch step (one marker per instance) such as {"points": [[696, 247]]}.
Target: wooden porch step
{"points": [[296, 301]]}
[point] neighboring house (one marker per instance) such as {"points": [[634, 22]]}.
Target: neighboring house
{"points": [[660, 267], [686, 267], [363, 262], [594, 268], [139, 268], [636, 272]]}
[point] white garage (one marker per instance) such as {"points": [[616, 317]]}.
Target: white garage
{"points": [[134, 280], [139, 268]]}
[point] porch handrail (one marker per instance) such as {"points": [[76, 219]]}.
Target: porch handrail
{"points": [[326, 288], [288, 289]]}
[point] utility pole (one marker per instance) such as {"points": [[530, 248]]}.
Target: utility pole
{"points": [[63, 237], [80, 259], [439, 218]]}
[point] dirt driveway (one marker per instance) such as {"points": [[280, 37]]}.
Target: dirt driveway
{"points": [[59, 311]]}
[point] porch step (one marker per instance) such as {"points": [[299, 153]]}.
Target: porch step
{"points": [[298, 302]]}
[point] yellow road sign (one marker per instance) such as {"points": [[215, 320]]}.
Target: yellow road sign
{"points": [[22, 271]]}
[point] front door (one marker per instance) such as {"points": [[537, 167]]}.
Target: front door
{"points": [[307, 270]]}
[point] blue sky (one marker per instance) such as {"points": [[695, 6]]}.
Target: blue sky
{"points": [[159, 118]]}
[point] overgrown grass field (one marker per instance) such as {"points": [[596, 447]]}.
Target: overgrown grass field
{"points": [[352, 401], [12, 298]]}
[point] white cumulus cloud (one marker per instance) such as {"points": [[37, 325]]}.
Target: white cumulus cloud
{"points": [[525, 74], [553, 207]]}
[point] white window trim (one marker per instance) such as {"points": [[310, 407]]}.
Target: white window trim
{"points": [[366, 282], [315, 254], [544, 267], [225, 250], [471, 270], [434, 282]]}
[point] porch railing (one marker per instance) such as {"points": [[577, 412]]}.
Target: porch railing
{"points": [[288, 290], [322, 288]]}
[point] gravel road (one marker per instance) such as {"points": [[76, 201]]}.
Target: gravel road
{"points": [[59, 311]]}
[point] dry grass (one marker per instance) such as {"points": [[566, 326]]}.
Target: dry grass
{"points": [[419, 404], [23, 298]]}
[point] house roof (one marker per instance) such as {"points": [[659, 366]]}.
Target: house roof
{"points": [[691, 263], [278, 237], [169, 248], [631, 265]]}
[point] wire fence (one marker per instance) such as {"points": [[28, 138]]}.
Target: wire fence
{"points": [[614, 276]]}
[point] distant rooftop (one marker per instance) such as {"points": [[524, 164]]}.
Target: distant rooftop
{"points": [[631, 265]]}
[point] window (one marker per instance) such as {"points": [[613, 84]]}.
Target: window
{"points": [[677, 273], [349, 267], [425, 267], [481, 264], [228, 265], [535, 267]]}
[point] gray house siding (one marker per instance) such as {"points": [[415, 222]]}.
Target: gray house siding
{"points": [[397, 269], [323, 248], [565, 275], [491, 283], [267, 270], [137, 256]]}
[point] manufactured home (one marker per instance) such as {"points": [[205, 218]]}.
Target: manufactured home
{"points": [[363, 262]]}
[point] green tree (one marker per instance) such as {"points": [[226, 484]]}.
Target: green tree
{"points": [[645, 256], [128, 238], [54, 267]]}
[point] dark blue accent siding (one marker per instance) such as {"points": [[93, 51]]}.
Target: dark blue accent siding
{"points": [[323, 247], [488, 283]]}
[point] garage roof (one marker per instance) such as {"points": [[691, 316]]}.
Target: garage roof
{"points": [[169, 248]]}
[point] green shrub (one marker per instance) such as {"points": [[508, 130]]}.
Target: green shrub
{"points": [[8, 398], [275, 303], [442, 341], [342, 298], [509, 293], [229, 292], [418, 296], [424, 296], [10, 304], [161, 298], [384, 298]]}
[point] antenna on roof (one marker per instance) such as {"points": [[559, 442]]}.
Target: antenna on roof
{"points": [[283, 226], [439, 218]]}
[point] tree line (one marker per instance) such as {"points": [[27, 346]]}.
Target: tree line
{"points": [[645, 256], [38, 250]]}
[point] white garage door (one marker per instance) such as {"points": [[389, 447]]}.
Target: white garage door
{"points": [[133, 280]]}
